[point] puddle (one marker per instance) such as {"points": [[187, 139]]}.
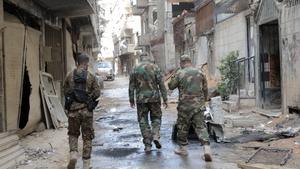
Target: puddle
{"points": [[105, 118], [122, 122], [116, 93], [130, 136], [117, 152]]}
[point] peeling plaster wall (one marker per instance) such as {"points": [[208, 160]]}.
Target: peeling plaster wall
{"points": [[290, 45]]}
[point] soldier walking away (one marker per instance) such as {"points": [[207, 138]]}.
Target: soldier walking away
{"points": [[81, 94], [192, 86], [146, 84]]}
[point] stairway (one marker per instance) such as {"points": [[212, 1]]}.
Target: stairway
{"points": [[10, 150]]}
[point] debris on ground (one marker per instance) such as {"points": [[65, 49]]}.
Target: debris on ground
{"points": [[248, 135], [269, 113], [270, 156], [260, 166], [38, 153]]}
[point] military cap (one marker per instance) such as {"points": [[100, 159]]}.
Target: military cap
{"points": [[185, 58]]}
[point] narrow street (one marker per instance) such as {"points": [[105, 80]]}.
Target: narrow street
{"points": [[247, 52], [118, 142]]}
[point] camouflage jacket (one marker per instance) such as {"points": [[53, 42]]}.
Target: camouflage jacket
{"points": [[92, 87], [192, 86], [146, 83]]}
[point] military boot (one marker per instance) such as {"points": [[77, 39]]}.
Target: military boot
{"points": [[73, 160], [181, 150], [157, 144], [207, 153], [147, 149], [87, 164]]}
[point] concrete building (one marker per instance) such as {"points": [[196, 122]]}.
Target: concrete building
{"points": [[204, 43], [265, 33], [156, 35], [276, 47], [39, 36], [184, 30], [125, 40]]}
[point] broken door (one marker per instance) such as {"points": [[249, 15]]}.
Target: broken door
{"points": [[270, 65], [56, 110]]}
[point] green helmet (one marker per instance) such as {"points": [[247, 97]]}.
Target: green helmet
{"points": [[185, 58]]}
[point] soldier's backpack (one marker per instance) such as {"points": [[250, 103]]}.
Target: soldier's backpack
{"points": [[79, 93]]}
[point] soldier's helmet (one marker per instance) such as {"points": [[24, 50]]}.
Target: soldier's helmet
{"points": [[185, 58]]}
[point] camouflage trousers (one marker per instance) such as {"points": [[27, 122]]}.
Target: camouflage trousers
{"points": [[81, 119], [188, 117], [149, 132]]}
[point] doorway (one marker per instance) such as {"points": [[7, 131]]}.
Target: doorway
{"points": [[270, 69], [25, 106]]}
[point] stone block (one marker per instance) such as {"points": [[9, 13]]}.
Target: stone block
{"points": [[216, 110]]}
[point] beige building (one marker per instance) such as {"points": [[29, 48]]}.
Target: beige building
{"points": [[40, 36]]}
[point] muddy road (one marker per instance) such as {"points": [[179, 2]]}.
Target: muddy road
{"points": [[118, 142]]}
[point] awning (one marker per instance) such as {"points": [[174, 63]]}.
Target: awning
{"points": [[69, 8]]}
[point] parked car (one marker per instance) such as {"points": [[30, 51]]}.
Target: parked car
{"points": [[105, 71]]}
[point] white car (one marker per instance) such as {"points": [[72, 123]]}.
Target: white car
{"points": [[105, 70]]}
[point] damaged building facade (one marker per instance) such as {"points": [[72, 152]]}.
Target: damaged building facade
{"points": [[264, 33], [40, 36], [156, 35], [277, 44]]}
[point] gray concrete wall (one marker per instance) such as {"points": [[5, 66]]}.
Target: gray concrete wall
{"points": [[290, 45], [230, 35]]}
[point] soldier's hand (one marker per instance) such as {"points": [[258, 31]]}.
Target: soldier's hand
{"points": [[165, 105], [132, 105]]}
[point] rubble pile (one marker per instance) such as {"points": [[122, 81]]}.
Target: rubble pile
{"points": [[38, 153]]}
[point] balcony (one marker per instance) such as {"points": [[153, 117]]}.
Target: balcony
{"points": [[137, 11], [142, 4], [144, 40], [128, 50], [69, 8]]}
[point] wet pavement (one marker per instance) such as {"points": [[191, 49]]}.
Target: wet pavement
{"points": [[118, 142]]}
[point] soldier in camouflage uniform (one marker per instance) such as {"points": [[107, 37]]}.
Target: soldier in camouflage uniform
{"points": [[192, 86], [146, 83], [78, 114]]}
